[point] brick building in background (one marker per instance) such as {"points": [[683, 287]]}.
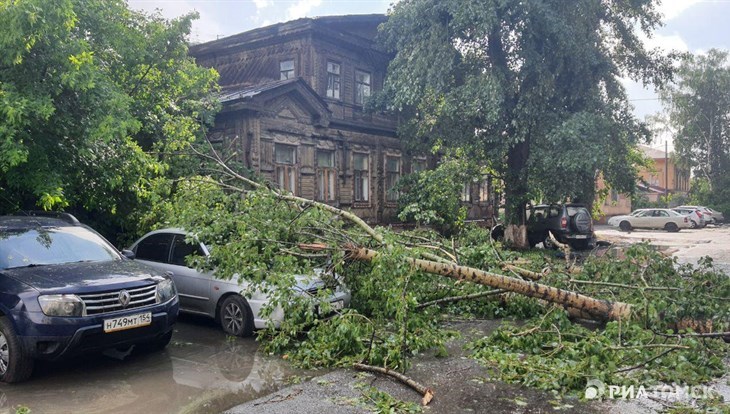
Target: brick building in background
{"points": [[293, 98], [663, 177]]}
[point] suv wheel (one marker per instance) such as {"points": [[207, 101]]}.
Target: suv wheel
{"points": [[693, 224], [15, 365], [547, 242], [235, 316], [581, 221]]}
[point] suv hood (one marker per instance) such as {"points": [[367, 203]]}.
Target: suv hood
{"points": [[83, 277]]}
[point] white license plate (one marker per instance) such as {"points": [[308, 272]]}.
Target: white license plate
{"points": [[580, 236], [127, 322], [337, 305]]}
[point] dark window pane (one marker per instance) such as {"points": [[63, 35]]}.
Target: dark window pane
{"points": [[182, 249], [155, 248]]}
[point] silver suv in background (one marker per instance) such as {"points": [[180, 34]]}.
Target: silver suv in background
{"points": [[711, 216], [202, 293], [696, 216]]}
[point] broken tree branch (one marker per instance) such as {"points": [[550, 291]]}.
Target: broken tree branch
{"points": [[426, 392], [601, 309], [620, 285], [458, 298], [529, 274]]}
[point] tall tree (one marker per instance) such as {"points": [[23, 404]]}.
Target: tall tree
{"points": [[90, 91], [532, 86], [698, 106]]}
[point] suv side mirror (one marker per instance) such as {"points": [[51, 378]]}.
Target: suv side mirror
{"points": [[128, 254]]}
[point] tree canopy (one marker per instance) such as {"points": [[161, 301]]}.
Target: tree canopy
{"points": [[90, 91], [698, 106], [533, 88]]}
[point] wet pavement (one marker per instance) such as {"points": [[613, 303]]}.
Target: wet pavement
{"points": [[201, 371], [687, 245]]}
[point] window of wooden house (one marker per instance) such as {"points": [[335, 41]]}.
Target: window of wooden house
{"points": [[392, 175], [484, 187], [286, 69], [362, 87], [326, 175], [285, 159], [361, 169], [418, 165], [333, 80], [466, 192]]}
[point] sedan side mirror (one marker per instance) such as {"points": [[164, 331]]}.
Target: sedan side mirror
{"points": [[128, 254]]}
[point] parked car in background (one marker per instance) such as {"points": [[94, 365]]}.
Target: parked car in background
{"points": [[711, 216], [651, 218], [65, 290], [202, 293], [569, 223], [696, 217]]}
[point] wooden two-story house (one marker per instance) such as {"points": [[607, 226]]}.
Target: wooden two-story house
{"points": [[293, 98]]}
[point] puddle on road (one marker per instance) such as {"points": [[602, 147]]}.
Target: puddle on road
{"points": [[201, 371]]}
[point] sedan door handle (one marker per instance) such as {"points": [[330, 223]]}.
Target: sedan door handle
{"points": [[169, 273]]}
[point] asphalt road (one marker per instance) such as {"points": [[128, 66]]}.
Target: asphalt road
{"points": [[201, 371], [687, 245]]}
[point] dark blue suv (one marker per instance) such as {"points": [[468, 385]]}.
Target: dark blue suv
{"points": [[65, 290]]}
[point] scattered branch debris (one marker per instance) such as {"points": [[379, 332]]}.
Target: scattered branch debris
{"points": [[426, 392]]}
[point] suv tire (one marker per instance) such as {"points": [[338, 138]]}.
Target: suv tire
{"points": [[15, 364], [547, 242], [581, 222]]}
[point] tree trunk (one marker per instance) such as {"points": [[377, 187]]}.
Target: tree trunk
{"points": [[598, 309], [516, 189]]}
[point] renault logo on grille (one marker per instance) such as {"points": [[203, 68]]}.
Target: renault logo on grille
{"points": [[124, 298]]}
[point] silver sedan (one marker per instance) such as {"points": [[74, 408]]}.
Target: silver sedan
{"points": [[202, 293]]}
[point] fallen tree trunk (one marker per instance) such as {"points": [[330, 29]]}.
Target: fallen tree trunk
{"points": [[600, 309], [426, 392]]}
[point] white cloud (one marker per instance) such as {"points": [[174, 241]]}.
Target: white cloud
{"points": [[301, 8], [262, 4], [673, 8], [204, 28], [667, 43]]}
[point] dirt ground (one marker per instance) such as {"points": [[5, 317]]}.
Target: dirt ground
{"points": [[460, 384]]}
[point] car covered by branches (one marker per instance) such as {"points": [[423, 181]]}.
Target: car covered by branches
{"points": [[238, 305]]}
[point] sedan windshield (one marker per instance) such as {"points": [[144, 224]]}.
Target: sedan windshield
{"points": [[49, 246]]}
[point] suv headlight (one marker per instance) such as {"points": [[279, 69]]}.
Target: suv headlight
{"points": [[61, 305], [165, 291]]}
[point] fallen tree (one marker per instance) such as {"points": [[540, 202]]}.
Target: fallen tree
{"points": [[599, 309], [263, 235]]}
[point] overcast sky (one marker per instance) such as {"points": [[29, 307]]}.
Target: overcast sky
{"points": [[690, 25]]}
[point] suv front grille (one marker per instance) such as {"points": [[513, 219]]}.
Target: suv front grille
{"points": [[98, 303]]}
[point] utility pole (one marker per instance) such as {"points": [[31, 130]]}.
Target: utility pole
{"points": [[666, 172]]}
